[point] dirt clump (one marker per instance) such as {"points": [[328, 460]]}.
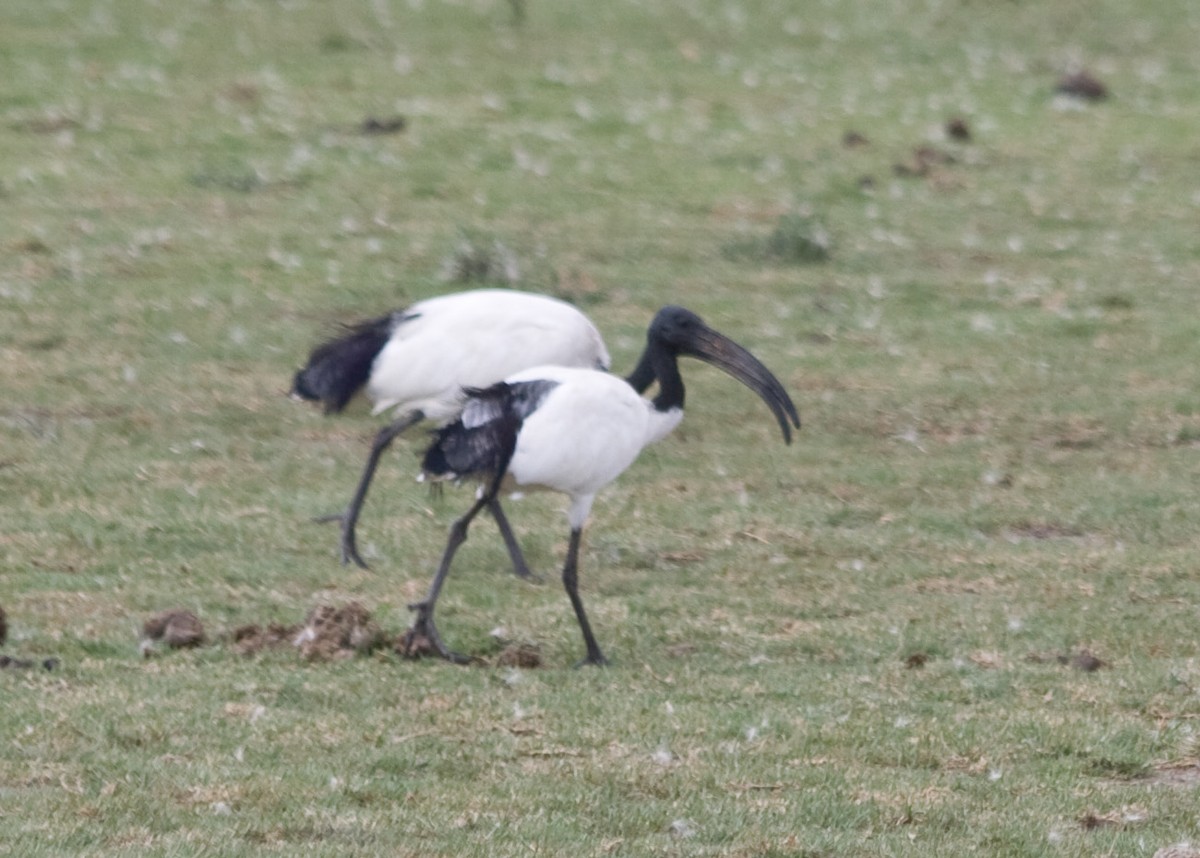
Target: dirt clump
{"points": [[177, 628], [339, 632]]}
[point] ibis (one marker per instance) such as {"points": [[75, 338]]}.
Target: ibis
{"points": [[574, 431], [416, 363]]}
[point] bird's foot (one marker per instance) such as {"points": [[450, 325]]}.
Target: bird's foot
{"points": [[423, 638], [348, 546], [523, 572], [596, 659]]}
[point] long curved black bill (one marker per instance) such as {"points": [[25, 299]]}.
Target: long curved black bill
{"points": [[716, 349]]}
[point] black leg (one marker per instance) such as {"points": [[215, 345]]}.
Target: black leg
{"points": [[424, 627], [570, 576], [520, 567], [349, 518]]}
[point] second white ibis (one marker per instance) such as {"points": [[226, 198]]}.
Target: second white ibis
{"points": [[574, 431]]}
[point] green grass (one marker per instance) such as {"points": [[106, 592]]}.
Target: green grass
{"points": [[846, 647]]}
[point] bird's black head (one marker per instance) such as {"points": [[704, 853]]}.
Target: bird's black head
{"points": [[677, 331], [676, 328]]}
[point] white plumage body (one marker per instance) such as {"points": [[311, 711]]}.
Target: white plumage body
{"points": [[475, 339], [583, 435]]}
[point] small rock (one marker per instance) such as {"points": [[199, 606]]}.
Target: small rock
{"points": [[1082, 84], [957, 129], [853, 139], [390, 125]]}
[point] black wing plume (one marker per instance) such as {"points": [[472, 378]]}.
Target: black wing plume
{"points": [[338, 369], [482, 441]]}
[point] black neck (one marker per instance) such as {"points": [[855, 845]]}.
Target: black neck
{"points": [[643, 374], [658, 363]]}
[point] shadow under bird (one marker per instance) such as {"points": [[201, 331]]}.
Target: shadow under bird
{"points": [[417, 361], [574, 431]]}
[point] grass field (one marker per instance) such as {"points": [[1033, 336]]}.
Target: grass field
{"points": [[877, 641]]}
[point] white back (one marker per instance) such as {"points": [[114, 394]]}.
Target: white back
{"points": [[475, 339]]}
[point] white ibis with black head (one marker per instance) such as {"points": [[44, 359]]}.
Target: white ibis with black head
{"points": [[417, 362], [574, 431]]}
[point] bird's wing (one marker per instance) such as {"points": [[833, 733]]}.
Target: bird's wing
{"points": [[512, 399], [482, 440]]}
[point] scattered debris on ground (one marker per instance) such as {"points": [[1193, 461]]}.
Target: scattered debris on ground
{"points": [[1124, 818], [1083, 660], [1083, 85], [7, 662], [388, 125], [252, 638], [958, 129], [330, 632], [177, 628], [523, 655], [1178, 850], [338, 632], [1184, 773], [413, 644], [987, 659], [923, 160], [916, 660], [853, 139]]}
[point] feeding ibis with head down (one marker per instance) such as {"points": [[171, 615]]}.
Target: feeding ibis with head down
{"points": [[418, 361], [574, 431]]}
